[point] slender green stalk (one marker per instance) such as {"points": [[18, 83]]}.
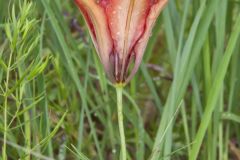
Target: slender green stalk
{"points": [[4, 155], [119, 90], [4, 149], [26, 92]]}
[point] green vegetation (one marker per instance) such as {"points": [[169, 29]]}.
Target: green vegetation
{"points": [[56, 102]]}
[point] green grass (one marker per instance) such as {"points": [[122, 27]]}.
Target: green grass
{"points": [[56, 102]]}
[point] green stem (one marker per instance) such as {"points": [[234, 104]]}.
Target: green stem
{"points": [[4, 148], [119, 90], [4, 155]]}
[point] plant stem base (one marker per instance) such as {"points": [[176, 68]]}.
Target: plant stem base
{"points": [[119, 89]]}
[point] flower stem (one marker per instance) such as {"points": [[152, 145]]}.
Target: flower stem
{"points": [[119, 90]]}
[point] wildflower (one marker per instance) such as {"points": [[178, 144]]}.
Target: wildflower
{"points": [[120, 30]]}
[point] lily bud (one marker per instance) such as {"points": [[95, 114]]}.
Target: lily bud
{"points": [[120, 30]]}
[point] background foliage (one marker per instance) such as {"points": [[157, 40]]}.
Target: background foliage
{"points": [[56, 103]]}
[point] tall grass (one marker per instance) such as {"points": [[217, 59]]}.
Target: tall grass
{"points": [[56, 102]]}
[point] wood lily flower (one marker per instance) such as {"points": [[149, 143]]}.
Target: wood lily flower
{"points": [[120, 30]]}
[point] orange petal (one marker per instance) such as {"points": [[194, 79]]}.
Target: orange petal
{"points": [[127, 21], [95, 17], [140, 47]]}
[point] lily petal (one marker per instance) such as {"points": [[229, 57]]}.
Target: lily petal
{"points": [[142, 43], [96, 20]]}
